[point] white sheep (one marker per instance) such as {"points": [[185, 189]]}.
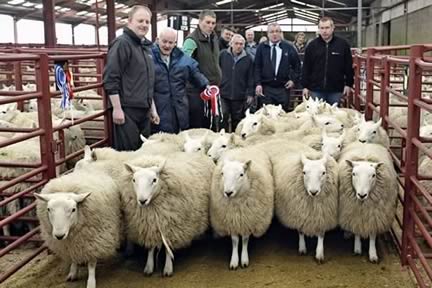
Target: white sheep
{"points": [[224, 142], [272, 111], [330, 144], [80, 219], [197, 140], [241, 199], [368, 190], [306, 195], [165, 202], [368, 132]]}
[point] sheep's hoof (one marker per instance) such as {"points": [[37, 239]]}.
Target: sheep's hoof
{"points": [[167, 274], [302, 252], [357, 253], [148, 273], [244, 265], [233, 267], [71, 278], [373, 260], [319, 261]]}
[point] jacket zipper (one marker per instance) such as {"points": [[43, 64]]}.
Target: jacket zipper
{"points": [[325, 67]]}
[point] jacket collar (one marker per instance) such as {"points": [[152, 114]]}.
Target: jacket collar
{"points": [[203, 37], [242, 54], [176, 53], [144, 41], [331, 40]]}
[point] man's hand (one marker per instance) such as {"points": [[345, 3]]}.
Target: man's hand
{"points": [[154, 118], [347, 90], [305, 93], [118, 116], [289, 84], [249, 100], [259, 91]]}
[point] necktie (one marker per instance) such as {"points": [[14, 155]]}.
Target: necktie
{"points": [[273, 58]]}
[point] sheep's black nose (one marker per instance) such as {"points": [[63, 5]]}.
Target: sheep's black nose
{"points": [[229, 193], [142, 202], [244, 135], [314, 192], [362, 196], [362, 141], [60, 237]]}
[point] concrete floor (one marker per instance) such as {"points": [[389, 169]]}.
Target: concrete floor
{"points": [[273, 263]]}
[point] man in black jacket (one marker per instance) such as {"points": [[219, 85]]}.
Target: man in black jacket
{"points": [[237, 81], [327, 68], [277, 69], [225, 38], [129, 80]]}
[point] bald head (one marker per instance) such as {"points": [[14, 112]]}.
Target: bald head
{"points": [[167, 40]]}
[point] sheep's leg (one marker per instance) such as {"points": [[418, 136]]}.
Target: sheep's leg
{"points": [[234, 256], [319, 254], [373, 257], [91, 281], [149, 267], [302, 244], [168, 269], [73, 271], [357, 245], [244, 253]]}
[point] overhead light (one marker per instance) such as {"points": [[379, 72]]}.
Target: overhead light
{"points": [[119, 5], [127, 10], [39, 6], [82, 13], [272, 7], [16, 2], [337, 2], [28, 4], [91, 14], [224, 2], [65, 9], [57, 7], [103, 16], [304, 4], [306, 12]]}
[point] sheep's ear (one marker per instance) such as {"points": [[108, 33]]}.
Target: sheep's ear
{"points": [[187, 137], [143, 138], [204, 138], [231, 138], [266, 112], [377, 165], [81, 100], [246, 165], [350, 163], [304, 99], [222, 132], [130, 168], [334, 107], [161, 166], [247, 112], [379, 122], [78, 198], [325, 158], [87, 152], [42, 197], [363, 118]]}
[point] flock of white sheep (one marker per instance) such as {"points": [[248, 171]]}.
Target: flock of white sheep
{"points": [[314, 169]]}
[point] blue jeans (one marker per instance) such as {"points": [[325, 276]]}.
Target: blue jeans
{"points": [[329, 97]]}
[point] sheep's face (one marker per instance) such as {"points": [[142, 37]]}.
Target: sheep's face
{"points": [[62, 211], [426, 131], [89, 157], [145, 182], [312, 106], [314, 174], [331, 145], [273, 111], [32, 105], [220, 145], [235, 178], [194, 145], [363, 177], [368, 131], [251, 125], [329, 123]]}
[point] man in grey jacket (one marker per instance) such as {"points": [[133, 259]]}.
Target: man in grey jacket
{"points": [[129, 82]]}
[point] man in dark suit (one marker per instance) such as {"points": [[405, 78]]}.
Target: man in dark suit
{"points": [[277, 69]]}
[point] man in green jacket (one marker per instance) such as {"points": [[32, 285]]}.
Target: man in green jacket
{"points": [[203, 45]]}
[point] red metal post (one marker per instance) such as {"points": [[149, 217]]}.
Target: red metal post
{"points": [[154, 21], [49, 23], [18, 82], [414, 92], [384, 95], [111, 21], [97, 25], [370, 62], [45, 121], [357, 83]]}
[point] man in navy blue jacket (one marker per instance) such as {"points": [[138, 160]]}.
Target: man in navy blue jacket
{"points": [[173, 70], [277, 69]]}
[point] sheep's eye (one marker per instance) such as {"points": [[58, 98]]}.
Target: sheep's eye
{"points": [[221, 173], [133, 180], [49, 210], [323, 173], [339, 146], [223, 146], [154, 180], [307, 107], [255, 123], [241, 174], [327, 123], [198, 149], [353, 174], [304, 172], [73, 210], [373, 175], [374, 132]]}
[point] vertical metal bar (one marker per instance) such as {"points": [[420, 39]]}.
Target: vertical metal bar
{"points": [[15, 29], [97, 25], [108, 116], [49, 23], [359, 23], [370, 63], [111, 21], [47, 145], [384, 95], [154, 20], [414, 91], [18, 82], [357, 61]]}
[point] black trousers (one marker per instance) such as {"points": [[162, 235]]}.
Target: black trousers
{"points": [[126, 137], [236, 109], [275, 96], [197, 119]]}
